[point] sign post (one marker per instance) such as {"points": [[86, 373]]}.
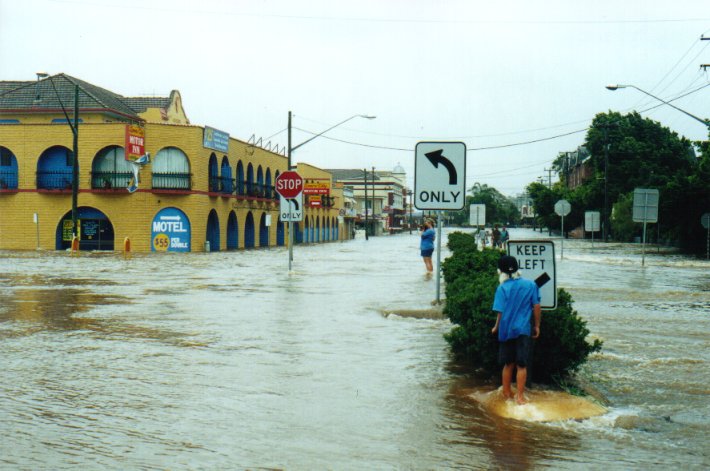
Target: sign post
{"points": [[289, 186], [439, 184], [536, 261], [705, 221], [645, 210], [562, 208], [477, 216], [592, 223]]}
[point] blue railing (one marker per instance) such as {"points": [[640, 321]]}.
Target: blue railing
{"points": [[226, 185], [8, 180], [54, 179]]}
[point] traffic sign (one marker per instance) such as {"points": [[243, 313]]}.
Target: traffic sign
{"points": [[291, 209], [477, 216], [440, 175], [289, 184], [563, 208], [645, 205], [536, 262], [705, 220], [592, 222]]}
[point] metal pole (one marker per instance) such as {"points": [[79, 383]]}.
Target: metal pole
{"points": [[643, 244], [290, 223], [562, 241], [438, 257], [37, 221], [374, 227], [410, 212], [366, 223], [606, 176], [707, 253], [75, 165]]}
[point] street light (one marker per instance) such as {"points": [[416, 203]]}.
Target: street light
{"points": [[292, 148], [618, 86]]}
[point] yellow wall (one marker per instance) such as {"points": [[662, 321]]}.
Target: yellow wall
{"points": [[131, 214]]}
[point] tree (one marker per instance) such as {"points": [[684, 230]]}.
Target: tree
{"points": [[499, 208]]}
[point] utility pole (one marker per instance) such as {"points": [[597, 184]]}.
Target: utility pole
{"points": [[374, 224], [605, 219], [549, 177], [364, 171]]}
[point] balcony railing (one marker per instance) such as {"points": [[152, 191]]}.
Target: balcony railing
{"points": [[54, 179], [214, 184], [110, 180], [172, 181], [8, 180], [226, 185]]}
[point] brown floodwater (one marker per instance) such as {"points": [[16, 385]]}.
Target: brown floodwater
{"points": [[225, 360]]}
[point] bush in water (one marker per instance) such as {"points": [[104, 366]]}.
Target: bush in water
{"points": [[471, 279]]}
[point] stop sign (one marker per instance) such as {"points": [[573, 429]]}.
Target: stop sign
{"points": [[289, 184]]}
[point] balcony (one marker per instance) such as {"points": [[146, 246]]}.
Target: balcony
{"points": [[8, 181], [54, 180], [172, 181], [110, 180], [226, 185]]}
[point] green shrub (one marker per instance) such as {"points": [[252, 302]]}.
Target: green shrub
{"points": [[471, 280]]}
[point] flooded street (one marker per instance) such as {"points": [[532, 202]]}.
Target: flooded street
{"points": [[225, 360]]}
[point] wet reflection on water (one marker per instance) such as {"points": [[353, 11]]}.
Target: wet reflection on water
{"points": [[224, 360]]}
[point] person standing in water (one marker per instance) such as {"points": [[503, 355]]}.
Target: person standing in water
{"points": [[516, 301], [426, 246]]}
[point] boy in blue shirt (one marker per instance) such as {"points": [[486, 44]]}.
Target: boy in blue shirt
{"points": [[516, 301]]}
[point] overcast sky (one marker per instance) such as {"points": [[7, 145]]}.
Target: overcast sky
{"points": [[490, 74]]}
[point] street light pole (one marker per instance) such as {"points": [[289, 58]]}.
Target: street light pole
{"points": [[617, 86], [292, 148]]}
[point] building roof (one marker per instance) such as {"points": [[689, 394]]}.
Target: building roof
{"points": [[351, 174], [49, 94], [7, 85], [140, 103]]}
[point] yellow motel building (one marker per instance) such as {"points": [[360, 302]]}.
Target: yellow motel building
{"points": [[144, 173]]}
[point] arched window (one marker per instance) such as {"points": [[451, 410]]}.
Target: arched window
{"points": [[171, 170], [263, 232], [249, 231], [54, 169], [226, 181], [110, 169], [259, 182], [240, 178], [213, 174], [232, 232], [268, 188], [251, 191], [8, 169]]}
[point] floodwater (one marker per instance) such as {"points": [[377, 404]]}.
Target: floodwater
{"points": [[225, 360]]}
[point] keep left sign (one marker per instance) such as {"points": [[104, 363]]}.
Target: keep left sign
{"points": [[536, 262]]}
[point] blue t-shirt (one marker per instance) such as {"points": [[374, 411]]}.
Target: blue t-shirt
{"points": [[515, 299], [428, 237]]}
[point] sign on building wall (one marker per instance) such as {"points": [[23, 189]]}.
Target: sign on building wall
{"points": [[135, 142], [311, 188], [215, 139], [170, 231]]}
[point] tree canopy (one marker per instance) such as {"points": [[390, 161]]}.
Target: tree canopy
{"points": [[641, 153]]}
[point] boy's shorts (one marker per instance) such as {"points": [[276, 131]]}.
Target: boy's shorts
{"points": [[427, 252], [515, 351]]}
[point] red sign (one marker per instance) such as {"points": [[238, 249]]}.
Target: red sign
{"points": [[135, 142], [289, 184]]}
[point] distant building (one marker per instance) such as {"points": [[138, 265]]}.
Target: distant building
{"points": [[577, 167], [385, 204]]}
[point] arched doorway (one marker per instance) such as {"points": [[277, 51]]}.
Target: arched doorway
{"points": [[249, 231], [263, 231], [280, 232], [232, 232], [95, 230], [212, 235]]}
